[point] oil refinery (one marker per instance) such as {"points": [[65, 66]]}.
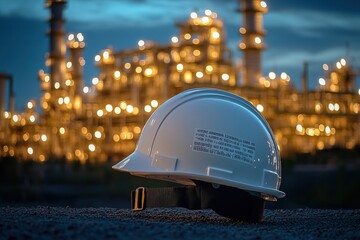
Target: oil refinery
{"points": [[103, 122]]}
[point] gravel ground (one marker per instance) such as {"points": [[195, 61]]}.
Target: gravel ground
{"points": [[112, 223]]}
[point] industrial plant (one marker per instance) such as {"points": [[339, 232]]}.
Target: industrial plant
{"points": [[103, 122]]}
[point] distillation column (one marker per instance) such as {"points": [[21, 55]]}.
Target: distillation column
{"points": [[252, 44]]}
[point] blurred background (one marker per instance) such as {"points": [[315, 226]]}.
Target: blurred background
{"points": [[65, 122]]}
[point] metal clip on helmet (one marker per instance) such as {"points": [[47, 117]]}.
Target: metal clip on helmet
{"points": [[218, 145]]}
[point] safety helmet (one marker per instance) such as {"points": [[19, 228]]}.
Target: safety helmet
{"points": [[218, 145]]}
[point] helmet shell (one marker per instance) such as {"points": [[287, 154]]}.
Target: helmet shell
{"points": [[209, 135]]}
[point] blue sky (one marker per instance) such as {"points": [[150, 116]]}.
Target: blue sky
{"points": [[318, 31]]}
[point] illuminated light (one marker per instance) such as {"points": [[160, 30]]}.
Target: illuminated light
{"points": [[85, 89], [45, 105], [138, 69], [32, 118], [257, 40], [327, 130], [193, 15], [333, 131], [320, 145], [57, 85], [272, 75], [69, 64], [205, 20], [47, 78], [109, 107], [322, 81], [71, 37], [136, 110], [321, 127], [80, 37], [60, 100], [137, 130], [199, 74], [318, 107], [30, 150], [30, 105], [263, 4], [123, 105], [266, 83], [154, 103], [196, 53], [100, 113], [116, 137], [106, 54], [129, 108], [127, 65], [187, 36], [68, 82], [260, 108], [43, 138], [195, 41], [147, 108], [66, 100], [325, 67], [225, 76], [209, 68], [310, 131], [343, 62], [359, 91], [97, 58], [47, 96], [95, 81], [180, 67], [208, 12], [6, 115], [92, 147], [283, 76], [148, 72], [242, 30], [299, 128], [117, 110], [141, 43], [84, 130], [188, 77], [338, 65], [123, 135], [97, 134], [300, 117], [317, 132], [336, 107], [62, 131], [117, 74], [331, 107], [174, 40], [26, 136], [215, 35]]}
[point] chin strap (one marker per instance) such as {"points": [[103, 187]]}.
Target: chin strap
{"points": [[227, 201]]}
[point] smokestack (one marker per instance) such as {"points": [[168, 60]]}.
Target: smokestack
{"points": [[252, 44]]}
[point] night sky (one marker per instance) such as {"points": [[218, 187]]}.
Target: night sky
{"points": [[318, 31]]}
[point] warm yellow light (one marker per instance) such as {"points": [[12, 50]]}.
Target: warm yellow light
{"points": [[62, 130], [147, 108], [242, 45], [6, 115], [127, 65], [129, 108], [325, 67], [117, 74], [138, 69], [123, 105], [260, 108], [187, 36], [42, 158], [136, 110], [199, 74], [116, 137], [154, 103], [225, 76], [179, 67], [26, 136], [92, 147], [257, 40], [321, 127], [195, 41], [272, 75], [109, 107], [209, 68], [43, 138], [57, 85], [188, 77], [97, 58], [30, 150], [47, 78], [148, 72], [205, 20], [68, 82], [97, 134], [137, 130], [196, 52], [242, 30], [318, 107], [117, 110], [100, 113]]}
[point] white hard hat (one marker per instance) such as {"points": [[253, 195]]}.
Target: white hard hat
{"points": [[208, 138]]}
